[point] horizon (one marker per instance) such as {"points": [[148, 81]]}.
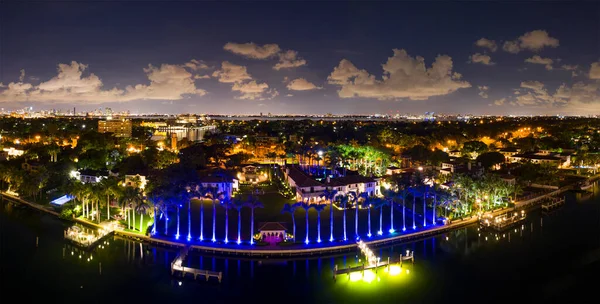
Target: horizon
{"points": [[208, 57]]}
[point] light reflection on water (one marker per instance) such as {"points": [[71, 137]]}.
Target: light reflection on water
{"points": [[444, 264]]}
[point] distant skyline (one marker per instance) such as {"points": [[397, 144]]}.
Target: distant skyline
{"points": [[302, 58]]}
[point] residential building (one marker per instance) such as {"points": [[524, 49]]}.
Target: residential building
{"points": [[311, 190], [119, 128]]}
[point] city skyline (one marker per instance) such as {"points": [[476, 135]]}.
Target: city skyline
{"points": [[339, 58]]}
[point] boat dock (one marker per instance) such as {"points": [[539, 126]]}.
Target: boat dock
{"points": [[177, 267], [502, 221], [552, 203], [83, 238], [372, 262]]}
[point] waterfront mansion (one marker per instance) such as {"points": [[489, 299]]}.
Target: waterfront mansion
{"points": [[311, 190]]}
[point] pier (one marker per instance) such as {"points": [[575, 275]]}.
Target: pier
{"points": [[502, 221], [84, 239], [177, 267], [373, 263], [552, 203]]}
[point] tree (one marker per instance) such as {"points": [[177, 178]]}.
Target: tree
{"points": [[318, 208], [238, 203], [378, 203], [474, 148], [142, 209], [490, 159], [291, 209], [253, 203], [329, 195], [306, 207], [343, 200]]}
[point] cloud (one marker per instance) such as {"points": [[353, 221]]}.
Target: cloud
{"points": [[243, 82], [533, 41], [511, 47], [578, 98], [69, 85], [486, 43], [289, 59], [536, 59], [196, 65], [250, 90], [231, 73], [22, 76], [595, 71], [481, 58], [500, 101], [301, 84], [252, 50], [403, 77], [483, 91], [289, 95], [201, 76]]}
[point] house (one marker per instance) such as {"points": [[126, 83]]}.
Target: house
{"points": [[392, 170], [250, 174], [223, 182], [272, 232], [511, 179], [509, 152], [537, 159], [91, 176], [135, 180], [455, 153], [31, 166], [311, 190]]}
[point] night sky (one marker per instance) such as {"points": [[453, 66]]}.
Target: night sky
{"points": [[302, 58]]}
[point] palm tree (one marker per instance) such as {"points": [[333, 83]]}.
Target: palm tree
{"points": [[425, 194], [354, 200], [253, 203], [343, 202], [188, 196], [378, 204], [318, 208], [291, 209], [110, 187], [330, 196], [142, 209], [131, 197], [368, 203], [306, 207], [226, 203], [213, 194], [238, 203], [156, 202], [390, 197], [413, 210]]}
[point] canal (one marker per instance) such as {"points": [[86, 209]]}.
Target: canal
{"points": [[550, 257]]}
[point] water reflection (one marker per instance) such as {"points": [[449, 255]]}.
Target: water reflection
{"points": [[457, 256]]}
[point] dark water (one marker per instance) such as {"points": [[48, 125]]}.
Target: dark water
{"points": [[550, 258]]}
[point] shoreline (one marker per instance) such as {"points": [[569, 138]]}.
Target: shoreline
{"points": [[303, 252]]}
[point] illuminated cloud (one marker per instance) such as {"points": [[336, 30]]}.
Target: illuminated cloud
{"points": [[500, 102], [595, 71], [483, 91], [580, 97], [403, 77], [533, 41], [536, 59], [230, 73], [252, 50], [481, 58], [22, 76], [243, 82], [486, 43], [196, 65], [289, 59], [301, 84], [69, 85]]}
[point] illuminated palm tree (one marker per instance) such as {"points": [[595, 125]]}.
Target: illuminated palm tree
{"points": [[343, 202], [306, 207], [330, 196], [142, 209], [253, 203], [318, 208], [378, 204], [390, 197], [226, 203], [213, 194], [238, 203], [354, 200], [291, 209]]}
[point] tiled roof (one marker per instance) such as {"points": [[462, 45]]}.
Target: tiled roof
{"points": [[349, 180], [533, 156], [272, 226], [301, 179]]}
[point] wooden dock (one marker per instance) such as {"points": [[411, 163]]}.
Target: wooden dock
{"points": [[176, 266], [552, 203], [361, 268], [502, 221]]}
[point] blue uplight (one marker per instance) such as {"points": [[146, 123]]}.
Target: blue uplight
{"points": [[331, 239], [380, 232], [177, 236], [369, 234], [414, 227], [306, 241], [392, 230]]}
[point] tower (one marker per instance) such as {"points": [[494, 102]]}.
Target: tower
{"points": [[174, 141]]}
